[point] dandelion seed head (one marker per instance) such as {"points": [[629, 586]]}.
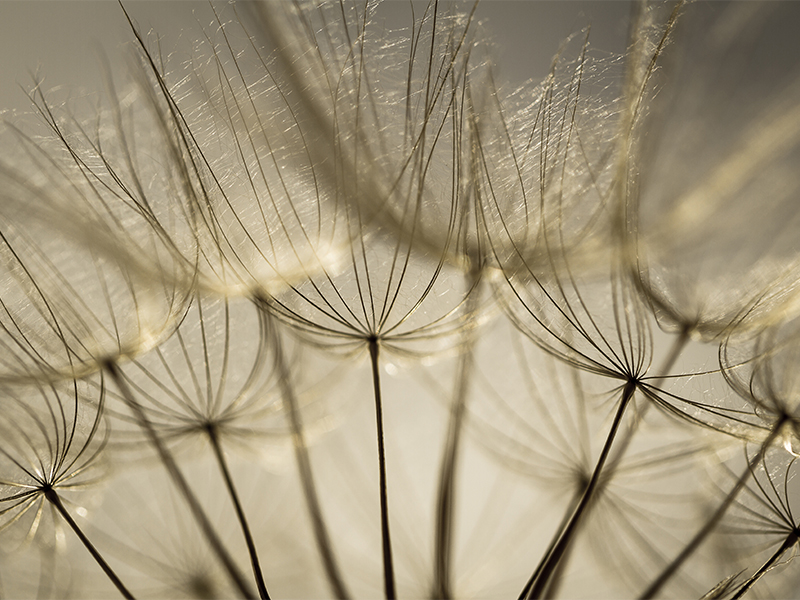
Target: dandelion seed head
{"points": [[242, 231], [53, 438]]}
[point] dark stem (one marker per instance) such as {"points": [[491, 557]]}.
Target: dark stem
{"points": [[564, 522], [445, 502], [701, 535], [307, 478], [251, 546], [446, 498], [624, 440], [552, 558], [388, 569], [55, 500], [790, 541], [180, 482], [557, 579]]}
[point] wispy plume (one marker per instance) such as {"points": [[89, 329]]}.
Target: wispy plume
{"points": [[323, 306]]}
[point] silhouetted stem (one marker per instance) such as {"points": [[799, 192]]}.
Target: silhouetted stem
{"points": [[388, 568], [559, 532], [624, 441], [248, 538], [307, 478], [180, 482], [701, 535], [55, 500], [445, 502], [556, 551], [790, 541]]}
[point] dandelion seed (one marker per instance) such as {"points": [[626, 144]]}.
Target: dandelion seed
{"points": [[765, 509], [590, 319], [235, 235], [50, 447], [756, 370], [380, 300]]}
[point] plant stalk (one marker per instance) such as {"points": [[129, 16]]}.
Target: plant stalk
{"points": [[790, 541], [564, 522], [321, 536], [446, 497], [54, 499], [701, 535], [251, 546], [623, 442], [553, 557], [180, 482], [388, 568], [445, 501]]}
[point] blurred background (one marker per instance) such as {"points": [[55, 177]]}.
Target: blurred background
{"points": [[61, 41]]}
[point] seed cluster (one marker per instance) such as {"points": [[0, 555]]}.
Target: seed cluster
{"points": [[327, 310]]}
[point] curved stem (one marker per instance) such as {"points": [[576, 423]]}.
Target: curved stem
{"points": [[790, 541], [701, 535], [55, 500], [552, 558], [248, 538], [307, 478], [180, 482], [388, 568]]}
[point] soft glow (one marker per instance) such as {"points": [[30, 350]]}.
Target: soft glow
{"points": [[370, 299]]}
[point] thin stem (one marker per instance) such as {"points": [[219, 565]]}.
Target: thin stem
{"points": [[701, 535], [324, 545], [624, 441], [552, 558], [180, 482], [790, 541], [564, 522], [445, 502], [54, 499], [388, 568], [251, 546]]}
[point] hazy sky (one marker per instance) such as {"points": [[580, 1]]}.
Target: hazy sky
{"points": [[63, 39]]}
